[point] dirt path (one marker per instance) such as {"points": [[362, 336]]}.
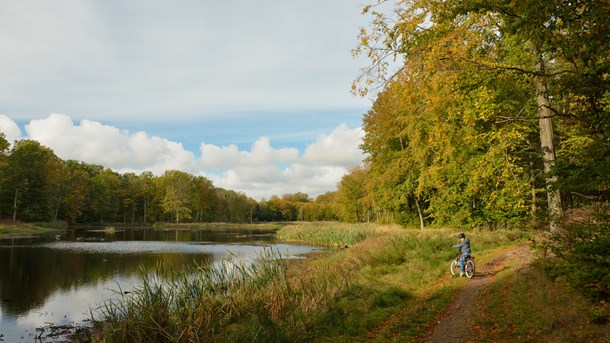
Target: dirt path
{"points": [[452, 323]]}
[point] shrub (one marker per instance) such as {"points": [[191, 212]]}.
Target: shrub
{"points": [[579, 256]]}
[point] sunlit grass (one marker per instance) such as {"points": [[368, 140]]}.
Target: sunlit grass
{"points": [[386, 286], [329, 233], [527, 306]]}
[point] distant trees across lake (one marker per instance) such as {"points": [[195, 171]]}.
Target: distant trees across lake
{"points": [[37, 186]]}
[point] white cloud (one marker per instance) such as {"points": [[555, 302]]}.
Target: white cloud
{"points": [[162, 61], [316, 171], [340, 148], [261, 172], [95, 143], [10, 129], [261, 154]]}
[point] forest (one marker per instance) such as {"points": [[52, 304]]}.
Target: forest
{"points": [[37, 186], [486, 114]]}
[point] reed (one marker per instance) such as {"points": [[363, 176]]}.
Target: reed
{"points": [[228, 301], [328, 233], [388, 274], [216, 226]]}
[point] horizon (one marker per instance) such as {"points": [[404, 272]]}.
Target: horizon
{"points": [[255, 97]]}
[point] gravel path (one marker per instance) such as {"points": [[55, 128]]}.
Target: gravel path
{"points": [[452, 325]]}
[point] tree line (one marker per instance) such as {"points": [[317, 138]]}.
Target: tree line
{"points": [[37, 186], [486, 113], [496, 115]]}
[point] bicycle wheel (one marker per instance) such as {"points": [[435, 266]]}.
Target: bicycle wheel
{"points": [[455, 267], [469, 268]]}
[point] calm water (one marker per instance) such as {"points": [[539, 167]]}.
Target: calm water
{"points": [[47, 281]]}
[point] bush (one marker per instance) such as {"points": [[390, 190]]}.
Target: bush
{"points": [[579, 256]]}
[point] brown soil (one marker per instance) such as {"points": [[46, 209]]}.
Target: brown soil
{"points": [[453, 323]]}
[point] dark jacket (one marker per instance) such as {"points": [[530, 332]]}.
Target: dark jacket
{"points": [[464, 246]]}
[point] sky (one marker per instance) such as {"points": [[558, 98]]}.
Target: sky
{"points": [[253, 95]]}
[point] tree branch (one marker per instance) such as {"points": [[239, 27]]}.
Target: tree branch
{"points": [[524, 71]]}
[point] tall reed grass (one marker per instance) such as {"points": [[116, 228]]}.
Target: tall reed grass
{"points": [[328, 233], [228, 301], [351, 295]]}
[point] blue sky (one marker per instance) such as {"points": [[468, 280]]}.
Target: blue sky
{"points": [[179, 84]]}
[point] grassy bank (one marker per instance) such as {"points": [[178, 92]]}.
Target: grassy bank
{"points": [[386, 287], [220, 226], [332, 234], [400, 282], [524, 305], [19, 230]]}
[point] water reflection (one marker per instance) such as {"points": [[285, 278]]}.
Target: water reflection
{"points": [[46, 280], [29, 274], [212, 236]]}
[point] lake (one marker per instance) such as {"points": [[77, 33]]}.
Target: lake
{"points": [[57, 280]]}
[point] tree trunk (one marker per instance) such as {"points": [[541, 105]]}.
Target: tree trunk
{"points": [[421, 218], [15, 207], [548, 149], [57, 208], [533, 189], [145, 205]]}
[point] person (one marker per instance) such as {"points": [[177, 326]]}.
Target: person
{"points": [[464, 247]]}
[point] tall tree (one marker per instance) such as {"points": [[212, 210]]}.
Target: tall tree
{"points": [[549, 43], [204, 199], [131, 193], [58, 185], [75, 199], [177, 194], [4, 146], [351, 195], [104, 195], [150, 196], [28, 170]]}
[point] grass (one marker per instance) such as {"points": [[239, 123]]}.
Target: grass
{"points": [[387, 286], [527, 306], [18, 230], [401, 282], [220, 226], [333, 234], [225, 302]]}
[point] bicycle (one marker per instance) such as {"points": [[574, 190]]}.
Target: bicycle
{"points": [[469, 266]]}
